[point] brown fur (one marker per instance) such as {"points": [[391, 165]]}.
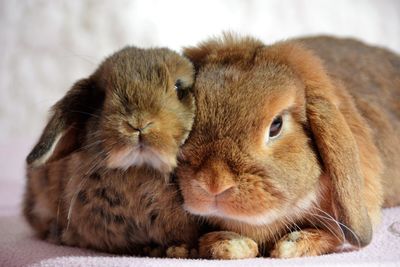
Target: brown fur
{"points": [[106, 184], [307, 242], [226, 245], [339, 101]]}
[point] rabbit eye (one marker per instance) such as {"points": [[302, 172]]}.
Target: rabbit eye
{"points": [[276, 127], [180, 91]]}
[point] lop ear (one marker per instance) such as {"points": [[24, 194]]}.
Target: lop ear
{"points": [[335, 142], [65, 129], [339, 152]]}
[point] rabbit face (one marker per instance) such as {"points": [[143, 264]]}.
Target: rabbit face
{"points": [[147, 116], [252, 160]]}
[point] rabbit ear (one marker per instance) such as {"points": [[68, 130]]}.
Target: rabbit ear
{"points": [[338, 150], [335, 143], [64, 130]]}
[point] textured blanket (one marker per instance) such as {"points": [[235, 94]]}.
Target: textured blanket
{"points": [[18, 247]]}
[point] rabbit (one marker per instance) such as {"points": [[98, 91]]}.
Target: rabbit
{"points": [[295, 145], [101, 174]]}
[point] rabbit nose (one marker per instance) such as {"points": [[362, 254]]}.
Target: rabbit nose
{"points": [[215, 189], [140, 128], [216, 178], [145, 126]]}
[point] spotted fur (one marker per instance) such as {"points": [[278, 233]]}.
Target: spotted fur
{"points": [[99, 175]]}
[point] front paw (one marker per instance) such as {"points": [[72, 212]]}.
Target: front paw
{"points": [[310, 242], [226, 245], [153, 252], [182, 252]]}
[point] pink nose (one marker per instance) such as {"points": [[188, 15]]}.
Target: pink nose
{"points": [[215, 189]]}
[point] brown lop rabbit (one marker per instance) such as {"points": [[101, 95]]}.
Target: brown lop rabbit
{"points": [[99, 174], [296, 148]]}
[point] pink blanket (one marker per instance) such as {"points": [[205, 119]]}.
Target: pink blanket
{"points": [[18, 247]]}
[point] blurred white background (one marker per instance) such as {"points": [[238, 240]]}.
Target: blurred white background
{"points": [[46, 45]]}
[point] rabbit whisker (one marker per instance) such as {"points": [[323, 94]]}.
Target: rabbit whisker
{"points": [[85, 113], [329, 217], [95, 164], [327, 227], [83, 57]]}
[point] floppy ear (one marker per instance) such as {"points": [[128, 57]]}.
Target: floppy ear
{"points": [[335, 142], [339, 152], [65, 129]]}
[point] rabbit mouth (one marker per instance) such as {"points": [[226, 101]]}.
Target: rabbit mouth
{"points": [[141, 155], [214, 208]]}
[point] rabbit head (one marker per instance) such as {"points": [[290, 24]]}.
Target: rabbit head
{"points": [[267, 129], [135, 109]]}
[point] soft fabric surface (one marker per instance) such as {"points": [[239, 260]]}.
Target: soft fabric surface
{"points": [[18, 246]]}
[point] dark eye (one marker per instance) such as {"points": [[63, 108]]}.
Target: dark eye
{"points": [[275, 127], [180, 91]]}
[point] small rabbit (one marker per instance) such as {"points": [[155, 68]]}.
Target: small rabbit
{"points": [[296, 148], [99, 175]]}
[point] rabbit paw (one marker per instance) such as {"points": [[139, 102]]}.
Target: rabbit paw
{"points": [[153, 252], [181, 251], [54, 234], [226, 245], [303, 243]]}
